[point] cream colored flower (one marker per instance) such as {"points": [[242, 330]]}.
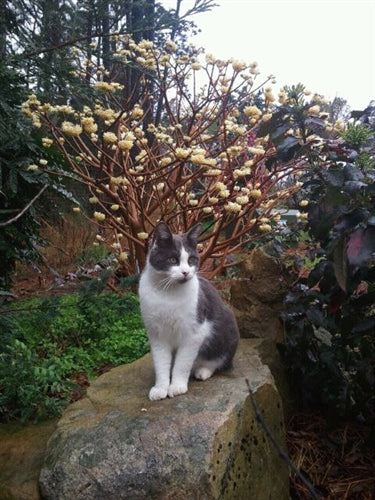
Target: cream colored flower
{"points": [[165, 161], [302, 215], [93, 200], [198, 159], [255, 193], [239, 65], [214, 172], [314, 110], [76, 209], [137, 112], [252, 111], [71, 129], [265, 227], [47, 143], [182, 153], [142, 236], [115, 207], [224, 193], [220, 186], [89, 125], [233, 207], [105, 114], [242, 200], [125, 145], [282, 97], [109, 137], [43, 162], [105, 86], [32, 167], [123, 256], [171, 46], [99, 216], [303, 203]]}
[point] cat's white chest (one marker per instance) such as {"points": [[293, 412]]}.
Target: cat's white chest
{"points": [[169, 313]]}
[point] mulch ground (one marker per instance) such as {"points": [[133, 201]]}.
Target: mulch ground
{"points": [[338, 461]]}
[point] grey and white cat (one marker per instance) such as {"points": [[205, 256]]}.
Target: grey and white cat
{"points": [[190, 329]]}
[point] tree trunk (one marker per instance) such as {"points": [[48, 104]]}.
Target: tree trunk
{"points": [[3, 28]]}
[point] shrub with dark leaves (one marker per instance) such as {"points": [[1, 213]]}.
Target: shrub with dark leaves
{"points": [[330, 315]]}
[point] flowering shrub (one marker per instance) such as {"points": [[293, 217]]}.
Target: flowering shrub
{"points": [[174, 146]]}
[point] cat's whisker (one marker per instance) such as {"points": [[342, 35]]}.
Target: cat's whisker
{"points": [[165, 283]]}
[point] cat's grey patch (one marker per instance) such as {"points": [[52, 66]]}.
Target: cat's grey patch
{"points": [[224, 336]]}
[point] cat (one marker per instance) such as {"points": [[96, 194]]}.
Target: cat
{"points": [[190, 329]]}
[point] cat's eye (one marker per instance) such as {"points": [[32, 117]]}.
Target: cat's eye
{"points": [[172, 260], [192, 261]]}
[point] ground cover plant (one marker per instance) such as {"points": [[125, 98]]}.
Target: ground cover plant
{"points": [[53, 345]]}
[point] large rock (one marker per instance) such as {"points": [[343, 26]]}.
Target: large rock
{"points": [[22, 450], [257, 296], [207, 444]]}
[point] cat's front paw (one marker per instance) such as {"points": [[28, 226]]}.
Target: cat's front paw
{"points": [[177, 389], [157, 393], [202, 373]]}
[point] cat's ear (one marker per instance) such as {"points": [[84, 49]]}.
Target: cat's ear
{"points": [[194, 233], [162, 234]]}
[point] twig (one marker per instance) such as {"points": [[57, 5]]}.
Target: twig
{"points": [[20, 214], [280, 451]]}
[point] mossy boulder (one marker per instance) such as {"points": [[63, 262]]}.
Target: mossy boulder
{"points": [[22, 449], [206, 444]]}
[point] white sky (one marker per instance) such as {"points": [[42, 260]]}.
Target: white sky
{"points": [[328, 45]]}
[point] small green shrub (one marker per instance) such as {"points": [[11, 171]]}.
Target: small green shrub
{"points": [[49, 340], [357, 135]]}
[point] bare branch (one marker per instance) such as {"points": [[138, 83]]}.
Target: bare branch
{"points": [[25, 209]]}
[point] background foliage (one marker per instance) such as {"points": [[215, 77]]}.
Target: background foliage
{"points": [[330, 314], [51, 343]]}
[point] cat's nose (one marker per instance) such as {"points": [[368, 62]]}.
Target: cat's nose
{"points": [[185, 273]]}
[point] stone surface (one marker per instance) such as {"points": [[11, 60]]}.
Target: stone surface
{"points": [[116, 444], [257, 296], [22, 450]]}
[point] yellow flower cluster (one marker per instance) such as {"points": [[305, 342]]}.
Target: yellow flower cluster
{"points": [[89, 125], [253, 112], [109, 137], [99, 216], [233, 207], [108, 86], [47, 143], [71, 129]]}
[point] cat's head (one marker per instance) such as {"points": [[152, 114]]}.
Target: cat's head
{"points": [[174, 257]]}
